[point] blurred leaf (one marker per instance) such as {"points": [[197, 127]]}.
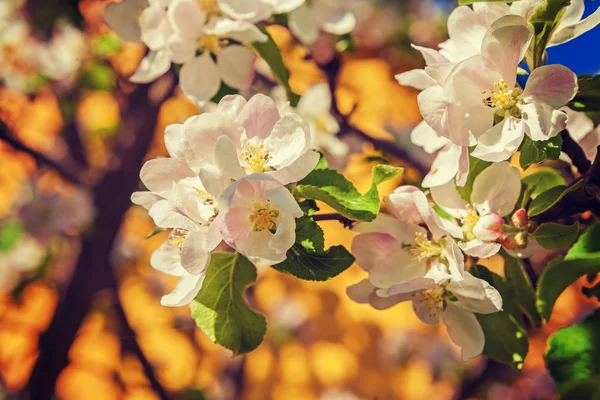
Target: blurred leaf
{"points": [[106, 45], [543, 179], [98, 75], [270, 53], [10, 233], [573, 357], [155, 232], [505, 338], [476, 166], [588, 97], [346, 43], [533, 152], [545, 18], [219, 308], [521, 287], [582, 259], [193, 394], [465, 2], [307, 259], [332, 188], [553, 236], [546, 200]]}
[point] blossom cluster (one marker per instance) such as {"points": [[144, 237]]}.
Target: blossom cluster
{"points": [[211, 39], [225, 181]]}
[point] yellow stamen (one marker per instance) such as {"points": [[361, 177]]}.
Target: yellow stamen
{"points": [[209, 199], [177, 237], [503, 98], [469, 221], [264, 217], [256, 158], [425, 248], [211, 43], [210, 7]]}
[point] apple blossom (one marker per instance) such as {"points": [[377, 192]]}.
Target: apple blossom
{"points": [[495, 193], [314, 107], [436, 297], [331, 16], [242, 137], [259, 218], [582, 130], [61, 58]]}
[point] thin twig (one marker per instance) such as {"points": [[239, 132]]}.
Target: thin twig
{"points": [[347, 222], [331, 70], [64, 168]]}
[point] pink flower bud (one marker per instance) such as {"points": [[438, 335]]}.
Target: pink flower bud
{"points": [[489, 227], [514, 242], [401, 204], [520, 218]]}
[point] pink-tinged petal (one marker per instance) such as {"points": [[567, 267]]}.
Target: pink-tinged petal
{"points": [[165, 215], [555, 85], [153, 66], [476, 295], [433, 105], [491, 12], [240, 9], [463, 167], [213, 237], [579, 124], [480, 249], [175, 140], [232, 105], [187, 18], [285, 236], [542, 121], [573, 14], [361, 291], [444, 167], [167, 259], [417, 78], [186, 290], [427, 214], [567, 33], [159, 174], [418, 284], [426, 137], [501, 141], [470, 82], [466, 29], [155, 27], [456, 260], [464, 330], [285, 6], [122, 18], [489, 227], [428, 314], [259, 116], [304, 24], [255, 247], [440, 72], [200, 78], [505, 45], [384, 223], [247, 32], [497, 189], [195, 255], [181, 49], [289, 139], [298, 169], [283, 199], [430, 56], [236, 65], [315, 101], [145, 199], [447, 197], [374, 248], [338, 21], [468, 122], [401, 204], [226, 159]]}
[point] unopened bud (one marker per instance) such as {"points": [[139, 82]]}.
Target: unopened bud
{"points": [[514, 241], [520, 218], [488, 227]]}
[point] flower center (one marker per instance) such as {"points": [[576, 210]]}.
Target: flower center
{"points": [[264, 217], [210, 7], [255, 157], [425, 248], [503, 98], [469, 221], [433, 298], [207, 198], [210, 43], [177, 237]]}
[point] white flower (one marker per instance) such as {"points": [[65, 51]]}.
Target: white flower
{"points": [[315, 108], [26, 255], [581, 128], [245, 137], [454, 302], [61, 58], [308, 20], [259, 218], [167, 259], [495, 194]]}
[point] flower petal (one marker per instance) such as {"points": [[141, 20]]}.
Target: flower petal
{"points": [[476, 295], [200, 78], [122, 18], [298, 169], [236, 65], [166, 259], [445, 166], [497, 189], [464, 330], [259, 116], [555, 85], [542, 121], [154, 65], [570, 32], [186, 290], [426, 137], [480, 249], [304, 24], [417, 78], [501, 141], [159, 174], [195, 255], [447, 197]]}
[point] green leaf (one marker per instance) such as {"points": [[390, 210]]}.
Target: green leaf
{"points": [[505, 338], [155, 232], [10, 234], [219, 308], [582, 259], [546, 200], [533, 152], [476, 166], [224, 90], [553, 236], [588, 96], [573, 357], [543, 179], [106, 45], [307, 259], [332, 188], [545, 18], [521, 287], [98, 76], [270, 53]]}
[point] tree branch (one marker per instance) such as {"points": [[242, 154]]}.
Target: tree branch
{"points": [[575, 153], [66, 168], [331, 70], [347, 222]]}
